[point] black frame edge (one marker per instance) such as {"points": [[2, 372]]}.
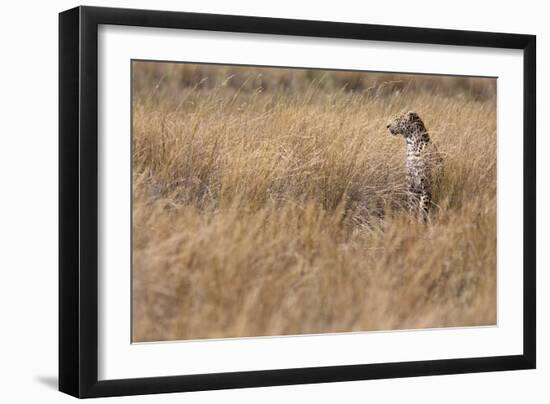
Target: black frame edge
{"points": [[283, 377], [308, 28], [78, 205], [88, 203], [529, 201], [69, 79]]}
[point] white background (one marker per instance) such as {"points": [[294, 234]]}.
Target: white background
{"points": [[28, 203]]}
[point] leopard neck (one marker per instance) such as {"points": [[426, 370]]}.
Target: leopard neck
{"points": [[417, 141]]}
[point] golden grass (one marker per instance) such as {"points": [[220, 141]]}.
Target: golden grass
{"points": [[269, 202]]}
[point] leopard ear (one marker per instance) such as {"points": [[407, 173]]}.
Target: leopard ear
{"points": [[413, 116]]}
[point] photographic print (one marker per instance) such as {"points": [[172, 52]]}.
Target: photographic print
{"points": [[273, 201], [291, 201]]}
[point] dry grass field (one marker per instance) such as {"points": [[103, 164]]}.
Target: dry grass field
{"points": [[270, 202]]}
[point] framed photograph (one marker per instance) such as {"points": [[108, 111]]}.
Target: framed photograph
{"points": [[251, 201]]}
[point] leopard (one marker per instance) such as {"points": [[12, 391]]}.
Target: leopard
{"points": [[423, 158]]}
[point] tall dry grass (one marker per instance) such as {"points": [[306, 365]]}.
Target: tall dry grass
{"points": [[270, 202]]}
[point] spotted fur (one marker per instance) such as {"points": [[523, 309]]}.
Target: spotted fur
{"points": [[422, 156]]}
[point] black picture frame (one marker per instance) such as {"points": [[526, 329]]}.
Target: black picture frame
{"points": [[78, 201]]}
